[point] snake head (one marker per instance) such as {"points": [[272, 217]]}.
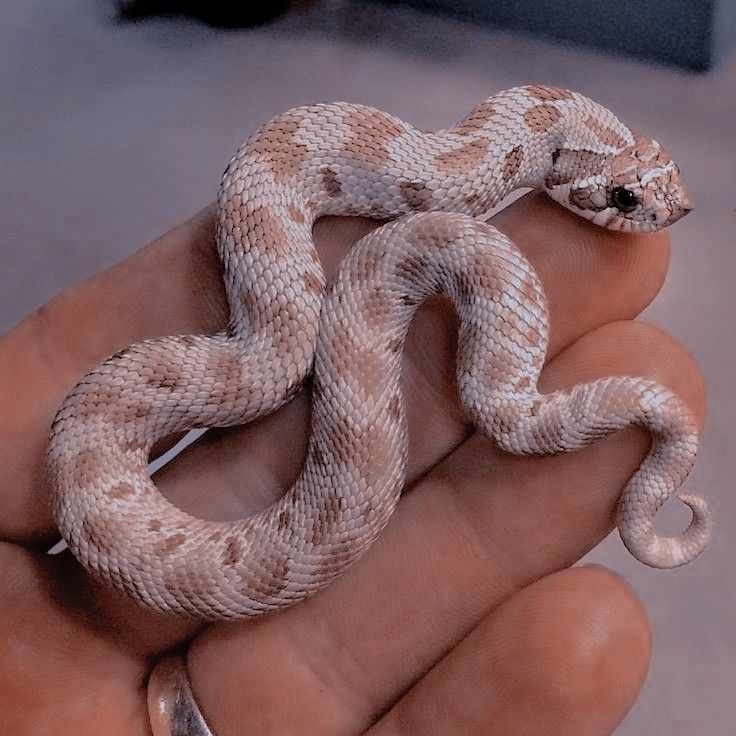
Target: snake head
{"points": [[638, 189]]}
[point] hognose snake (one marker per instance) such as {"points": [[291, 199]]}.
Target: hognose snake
{"points": [[349, 159]]}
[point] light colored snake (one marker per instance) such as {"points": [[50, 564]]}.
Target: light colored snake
{"points": [[349, 159]]}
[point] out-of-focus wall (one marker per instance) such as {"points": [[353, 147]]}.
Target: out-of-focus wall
{"points": [[696, 34]]}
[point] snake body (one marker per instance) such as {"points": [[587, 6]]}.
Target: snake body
{"points": [[350, 159]]}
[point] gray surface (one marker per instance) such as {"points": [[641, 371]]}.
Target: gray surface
{"points": [[112, 134]]}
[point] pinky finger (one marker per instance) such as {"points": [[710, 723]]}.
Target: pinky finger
{"points": [[566, 655]]}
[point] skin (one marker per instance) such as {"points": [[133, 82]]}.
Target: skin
{"points": [[463, 618]]}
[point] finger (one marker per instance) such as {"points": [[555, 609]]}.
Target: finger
{"points": [[63, 671], [566, 655], [479, 527], [172, 286]]}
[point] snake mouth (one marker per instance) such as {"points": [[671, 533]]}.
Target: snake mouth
{"points": [[678, 211], [649, 222]]}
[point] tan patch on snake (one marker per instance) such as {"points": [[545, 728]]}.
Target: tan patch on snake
{"points": [[394, 345], [548, 94], [276, 142], [373, 260], [122, 490], [328, 519], [530, 289], [411, 268], [154, 525], [505, 421], [367, 463], [228, 367], [170, 543], [313, 284], [647, 152], [233, 552], [623, 170], [571, 165], [536, 407], [394, 407], [276, 577], [480, 202], [265, 228], [165, 377], [528, 337], [284, 519], [91, 463], [330, 182], [478, 118], [542, 118], [464, 159], [417, 195], [89, 530], [368, 368], [333, 560], [295, 214], [374, 309], [372, 131], [443, 236], [607, 136], [512, 163]]}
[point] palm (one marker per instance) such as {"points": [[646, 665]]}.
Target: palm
{"points": [[475, 527]]}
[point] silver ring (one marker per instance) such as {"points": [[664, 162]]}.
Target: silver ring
{"points": [[172, 709]]}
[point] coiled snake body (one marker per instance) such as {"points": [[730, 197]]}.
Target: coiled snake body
{"points": [[352, 160]]}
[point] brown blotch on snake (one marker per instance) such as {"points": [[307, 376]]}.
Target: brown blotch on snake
{"points": [[232, 552], [372, 131], [547, 93], [312, 283], [570, 165], [122, 490], [512, 163], [331, 184], [463, 159], [542, 118], [295, 214], [477, 120], [417, 195], [284, 519], [394, 345], [604, 134], [169, 544], [277, 142]]}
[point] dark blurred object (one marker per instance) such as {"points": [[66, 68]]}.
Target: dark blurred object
{"points": [[696, 34], [220, 13]]}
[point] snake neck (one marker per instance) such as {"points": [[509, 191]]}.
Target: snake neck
{"points": [[346, 159], [521, 133]]}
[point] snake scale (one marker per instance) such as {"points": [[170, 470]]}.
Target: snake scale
{"points": [[348, 159]]}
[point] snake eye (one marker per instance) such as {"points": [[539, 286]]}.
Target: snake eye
{"points": [[624, 199]]}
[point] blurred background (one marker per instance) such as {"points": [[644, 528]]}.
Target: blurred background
{"points": [[116, 124]]}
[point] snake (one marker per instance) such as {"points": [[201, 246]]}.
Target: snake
{"points": [[287, 324]]}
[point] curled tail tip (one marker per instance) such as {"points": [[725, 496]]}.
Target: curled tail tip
{"points": [[671, 552], [702, 524]]}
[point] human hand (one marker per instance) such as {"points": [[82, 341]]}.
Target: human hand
{"points": [[461, 619]]}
